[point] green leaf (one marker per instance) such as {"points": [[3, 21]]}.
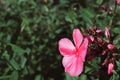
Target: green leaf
{"points": [[116, 30], [70, 78], [114, 77], [17, 49], [83, 77], [4, 77], [6, 55], [87, 16], [14, 75], [99, 2], [67, 18], [45, 8], [14, 64], [116, 41], [23, 61], [88, 69], [38, 77]]}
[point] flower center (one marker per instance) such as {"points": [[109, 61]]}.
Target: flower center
{"points": [[77, 52]]}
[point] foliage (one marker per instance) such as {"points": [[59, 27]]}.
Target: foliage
{"points": [[30, 31]]}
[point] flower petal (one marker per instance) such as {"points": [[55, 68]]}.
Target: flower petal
{"points": [[77, 37], [68, 60], [66, 47], [73, 65], [83, 49]]}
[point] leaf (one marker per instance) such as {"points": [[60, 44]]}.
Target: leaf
{"points": [[114, 77], [67, 18], [23, 61], [4, 77], [99, 2], [17, 49], [14, 75], [6, 55], [118, 65], [88, 69], [116, 30], [87, 15], [116, 41], [45, 8], [38, 77], [83, 77], [70, 78], [14, 64]]}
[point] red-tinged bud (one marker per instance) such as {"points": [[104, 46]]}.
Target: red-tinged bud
{"points": [[103, 52], [103, 8], [110, 46], [107, 33], [110, 68], [91, 39], [114, 54], [105, 61], [100, 40], [94, 28]]}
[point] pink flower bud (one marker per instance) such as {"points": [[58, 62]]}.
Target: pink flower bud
{"points": [[105, 61], [98, 30], [110, 46], [103, 52], [110, 68], [114, 54], [107, 33], [91, 39], [94, 28], [118, 1]]}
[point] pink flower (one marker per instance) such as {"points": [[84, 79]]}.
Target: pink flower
{"points": [[110, 46], [118, 1], [107, 33], [110, 68], [74, 56]]}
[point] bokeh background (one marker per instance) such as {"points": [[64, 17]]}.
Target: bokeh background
{"points": [[30, 31]]}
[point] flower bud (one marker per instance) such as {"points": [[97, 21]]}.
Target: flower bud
{"points": [[100, 40], [98, 30], [107, 33], [95, 28], [110, 68], [103, 52], [91, 39], [103, 8], [110, 46], [114, 54], [105, 61]]}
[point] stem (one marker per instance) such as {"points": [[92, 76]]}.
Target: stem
{"points": [[114, 12], [115, 9]]}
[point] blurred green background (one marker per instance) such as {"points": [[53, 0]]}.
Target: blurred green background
{"points": [[30, 31]]}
